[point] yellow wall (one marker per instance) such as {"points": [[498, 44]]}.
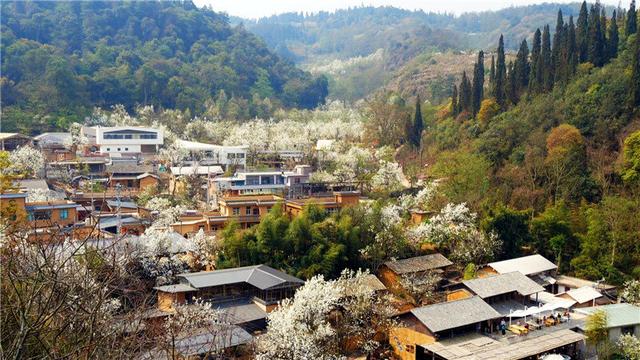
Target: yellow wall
{"points": [[458, 295], [404, 338], [166, 301]]}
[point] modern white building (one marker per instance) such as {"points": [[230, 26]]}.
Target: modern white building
{"points": [[123, 139], [209, 154], [262, 182]]}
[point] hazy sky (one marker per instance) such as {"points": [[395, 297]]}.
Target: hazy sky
{"points": [[259, 8]]}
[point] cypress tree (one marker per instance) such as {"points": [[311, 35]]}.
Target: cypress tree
{"points": [[534, 83], [492, 73], [603, 36], [635, 75], [521, 68], [632, 19], [501, 75], [582, 34], [546, 68], [478, 84], [595, 37], [558, 48], [512, 84], [454, 101], [465, 93], [572, 51], [613, 37], [418, 125]]}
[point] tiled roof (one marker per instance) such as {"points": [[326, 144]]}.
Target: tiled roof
{"points": [[418, 263], [261, 276], [503, 284], [527, 265], [454, 314]]}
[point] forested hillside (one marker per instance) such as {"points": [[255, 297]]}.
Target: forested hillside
{"points": [[60, 59], [365, 48], [548, 150]]}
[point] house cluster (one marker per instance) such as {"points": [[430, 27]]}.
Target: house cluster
{"points": [[513, 309], [98, 175]]}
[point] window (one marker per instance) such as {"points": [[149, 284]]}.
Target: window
{"points": [[119, 149], [627, 330], [148, 136], [126, 149], [201, 227], [64, 214], [247, 211], [40, 215], [236, 211], [108, 149], [256, 211], [266, 180]]}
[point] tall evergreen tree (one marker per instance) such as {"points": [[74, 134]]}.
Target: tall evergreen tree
{"points": [[635, 75], [501, 75], [582, 34], [464, 103], [558, 48], [572, 48], [478, 84], [521, 67], [454, 101], [632, 19], [595, 52], [512, 84], [613, 37], [535, 84], [416, 132], [492, 74], [603, 36], [546, 67]]}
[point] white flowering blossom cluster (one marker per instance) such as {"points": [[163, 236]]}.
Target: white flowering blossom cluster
{"points": [[420, 201], [389, 177], [421, 286], [27, 161], [43, 195], [455, 228], [77, 138], [300, 327], [159, 204], [631, 292], [629, 346]]}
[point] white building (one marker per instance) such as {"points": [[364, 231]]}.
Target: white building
{"points": [[123, 139], [209, 154], [262, 182]]}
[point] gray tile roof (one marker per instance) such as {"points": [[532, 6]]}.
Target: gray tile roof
{"points": [[176, 288], [453, 314], [32, 184], [204, 341], [128, 168], [261, 276], [527, 265], [503, 284], [618, 315], [240, 312], [418, 263]]}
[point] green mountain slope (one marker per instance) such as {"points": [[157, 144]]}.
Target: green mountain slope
{"points": [[60, 59]]}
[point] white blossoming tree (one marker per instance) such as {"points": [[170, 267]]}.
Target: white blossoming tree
{"points": [[455, 229], [306, 327], [388, 178], [26, 161], [629, 346], [421, 286], [631, 292]]}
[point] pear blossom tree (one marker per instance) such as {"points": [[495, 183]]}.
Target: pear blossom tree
{"points": [[388, 178], [421, 286], [455, 229], [631, 292], [629, 346], [27, 161], [322, 316]]}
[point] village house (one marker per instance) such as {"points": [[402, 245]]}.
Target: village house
{"points": [[12, 141], [228, 157], [566, 283], [245, 294], [198, 175], [129, 178], [261, 182], [391, 272], [584, 297], [123, 139], [536, 267], [622, 318], [55, 146]]}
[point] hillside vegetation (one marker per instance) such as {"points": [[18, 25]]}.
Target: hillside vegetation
{"points": [[548, 152], [60, 59]]}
